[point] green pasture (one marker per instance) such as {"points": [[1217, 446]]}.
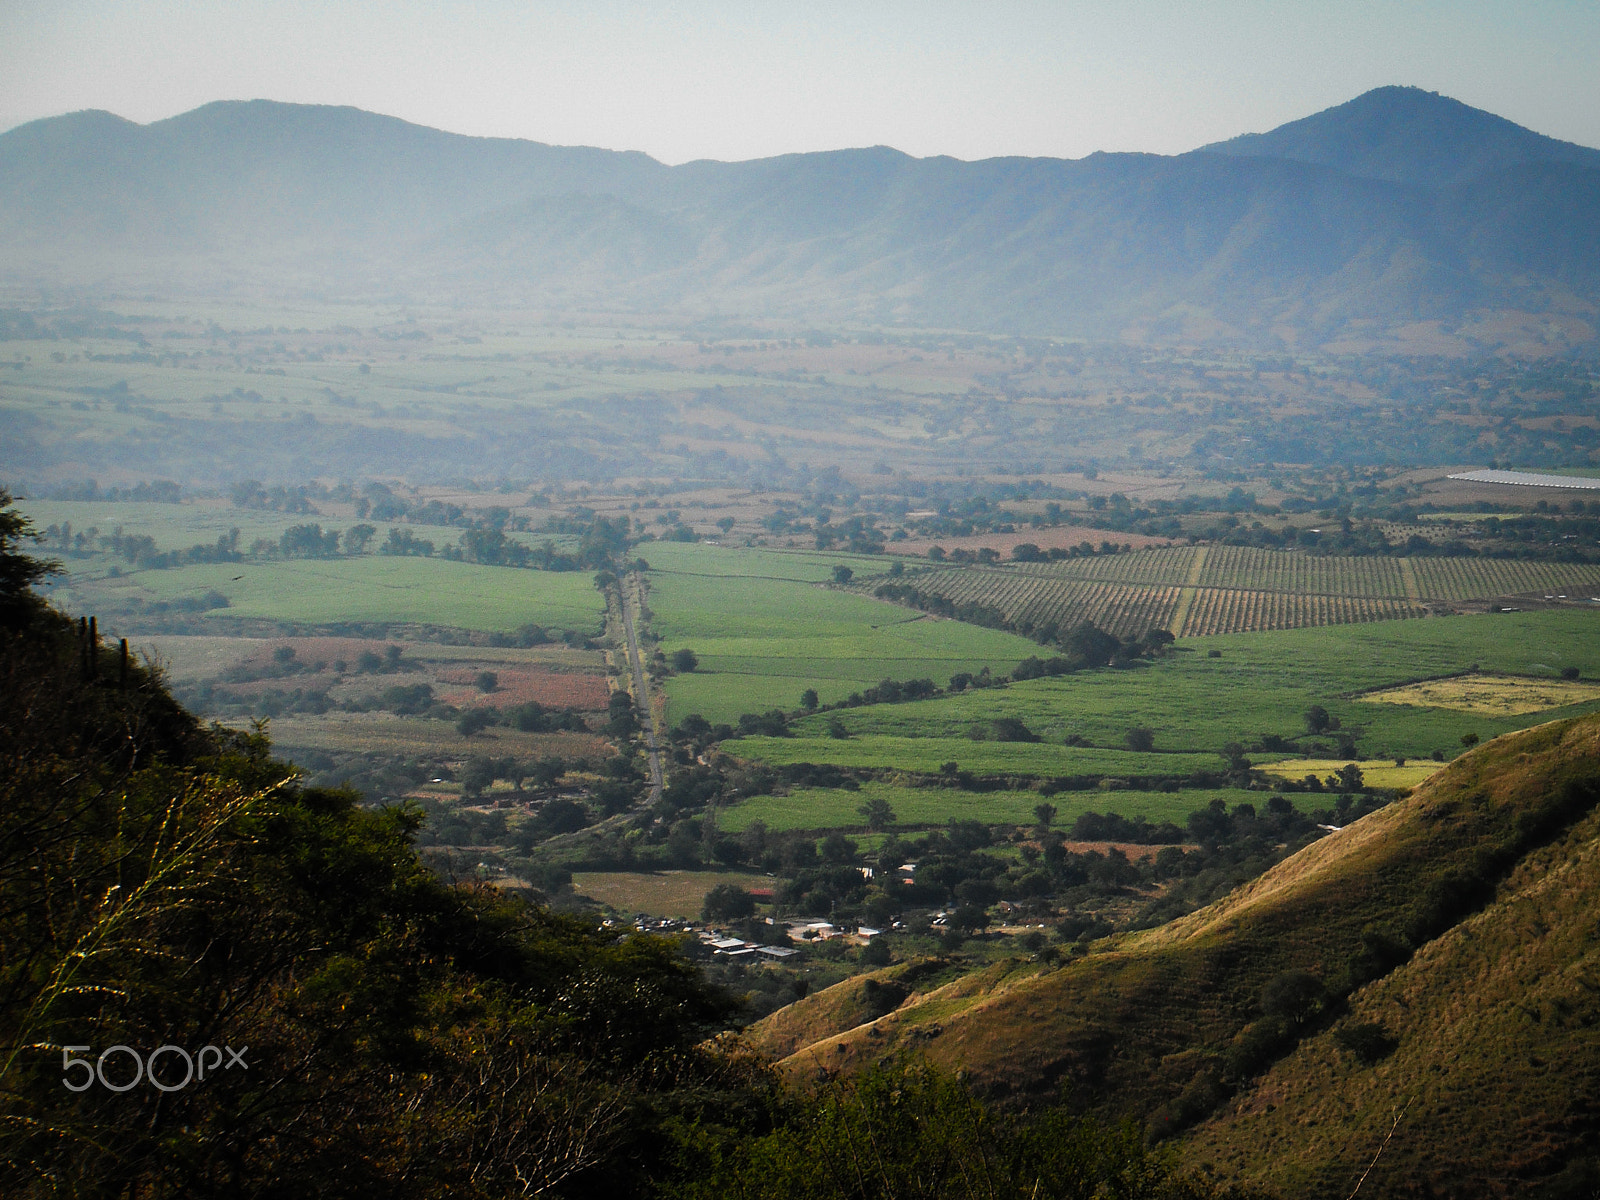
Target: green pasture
{"points": [[755, 562], [831, 808], [376, 588], [928, 754], [1262, 683], [764, 638]]}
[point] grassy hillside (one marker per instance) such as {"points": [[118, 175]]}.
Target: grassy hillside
{"points": [[1170, 1023], [1483, 1046]]}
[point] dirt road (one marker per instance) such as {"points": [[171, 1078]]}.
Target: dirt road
{"points": [[631, 588]]}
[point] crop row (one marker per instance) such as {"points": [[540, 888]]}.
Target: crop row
{"points": [[1156, 566], [1222, 610], [1479, 578], [1031, 602], [1251, 568], [1295, 571]]}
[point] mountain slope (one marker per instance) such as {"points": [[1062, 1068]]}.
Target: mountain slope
{"points": [[239, 175], [1396, 208], [1495, 1070], [1407, 135], [1168, 1024]]}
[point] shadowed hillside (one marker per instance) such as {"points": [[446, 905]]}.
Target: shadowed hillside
{"points": [[1455, 923]]}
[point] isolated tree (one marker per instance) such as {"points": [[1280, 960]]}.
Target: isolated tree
{"points": [[1293, 996], [969, 918], [1012, 729], [1469, 740], [838, 849], [1044, 815], [808, 700], [1141, 738], [1318, 719], [725, 523], [843, 574], [474, 721], [727, 902], [487, 681], [547, 771], [878, 813], [1093, 645], [685, 660], [477, 775]]}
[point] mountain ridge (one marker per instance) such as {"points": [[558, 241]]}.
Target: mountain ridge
{"points": [[1407, 135], [340, 201]]}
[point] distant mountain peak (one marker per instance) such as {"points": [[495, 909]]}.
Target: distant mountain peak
{"points": [[1407, 135]]}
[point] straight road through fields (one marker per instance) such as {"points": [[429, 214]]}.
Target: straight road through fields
{"points": [[631, 587]]}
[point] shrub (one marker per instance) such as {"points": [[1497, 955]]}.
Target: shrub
{"points": [[1369, 1041]]}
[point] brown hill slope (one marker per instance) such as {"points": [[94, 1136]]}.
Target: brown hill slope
{"points": [[1170, 1023], [1488, 1043]]}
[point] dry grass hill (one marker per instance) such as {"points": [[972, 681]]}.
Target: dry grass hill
{"points": [[1435, 961]]}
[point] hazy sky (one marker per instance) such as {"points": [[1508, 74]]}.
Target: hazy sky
{"points": [[720, 79]]}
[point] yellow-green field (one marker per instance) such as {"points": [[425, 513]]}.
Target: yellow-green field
{"points": [[1380, 772], [1491, 695], [661, 894]]}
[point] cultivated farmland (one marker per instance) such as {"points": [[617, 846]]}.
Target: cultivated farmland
{"points": [[764, 633], [1261, 684], [1195, 591]]}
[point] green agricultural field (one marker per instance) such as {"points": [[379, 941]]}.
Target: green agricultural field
{"points": [[375, 588], [927, 754], [1262, 683], [765, 635], [756, 562], [831, 808]]}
